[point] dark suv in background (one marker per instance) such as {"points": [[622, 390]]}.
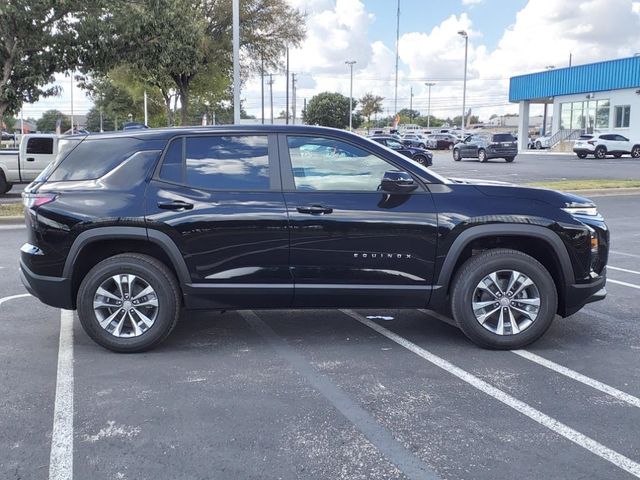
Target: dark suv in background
{"points": [[485, 146], [131, 227]]}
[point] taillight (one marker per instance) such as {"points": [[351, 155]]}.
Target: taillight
{"points": [[34, 200], [591, 142]]}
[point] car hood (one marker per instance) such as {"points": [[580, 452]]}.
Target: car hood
{"points": [[556, 198]]}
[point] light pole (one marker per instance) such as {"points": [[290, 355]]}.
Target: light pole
{"points": [[395, 96], [350, 63], [236, 60], [429, 85], [464, 34]]}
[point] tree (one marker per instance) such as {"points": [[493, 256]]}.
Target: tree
{"points": [[38, 38], [409, 115], [47, 123], [180, 42], [93, 121], [370, 104], [329, 110]]}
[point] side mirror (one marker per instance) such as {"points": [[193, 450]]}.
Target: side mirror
{"points": [[397, 182]]}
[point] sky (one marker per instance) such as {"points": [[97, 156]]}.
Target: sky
{"points": [[506, 38]]}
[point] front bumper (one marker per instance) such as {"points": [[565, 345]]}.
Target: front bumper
{"points": [[53, 291], [578, 295]]}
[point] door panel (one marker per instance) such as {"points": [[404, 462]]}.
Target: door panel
{"points": [[235, 243], [38, 154], [358, 248]]}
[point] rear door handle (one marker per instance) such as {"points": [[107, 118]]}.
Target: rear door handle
{"points": [[315, 210], [31, 159], [175, 205]]}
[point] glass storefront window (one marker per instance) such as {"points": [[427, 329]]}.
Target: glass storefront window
{"points": [[586, 116], [602, 114]]}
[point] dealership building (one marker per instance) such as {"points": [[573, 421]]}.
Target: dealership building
{"points": [[596, 97]]}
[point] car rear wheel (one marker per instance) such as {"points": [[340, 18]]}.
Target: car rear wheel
{"points": [[4, 185], [482, 156], [635, 151], [129, 303], [538, 146], [509, 159], [582, 155], [503, 299], [601, 152], [456, 155], [421, 159]]}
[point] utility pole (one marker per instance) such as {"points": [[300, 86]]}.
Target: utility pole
{"points": [[293, 97], [429, 85], [236, 60], [304, 109], [570, 58], [350, 63], [411, 106], [262, 84], [146, 115], [286, 110], [395, 98], [271, 95], [464, 85], [72, 102]]}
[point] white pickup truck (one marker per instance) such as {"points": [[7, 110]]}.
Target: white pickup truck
{"points": [[23, 165]]}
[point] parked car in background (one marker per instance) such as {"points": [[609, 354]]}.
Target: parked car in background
{"points": [[602, 144], [7, 136], [414, 140], [24, 164], [487, 146], [542, 142], [441, 141], [134, 126], [420, 155]]}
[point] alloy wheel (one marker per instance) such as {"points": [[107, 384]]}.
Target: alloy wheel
{"points": [[506, 302], [125, 305]]}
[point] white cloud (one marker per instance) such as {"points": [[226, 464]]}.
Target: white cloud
{"points": [[472, 2]]}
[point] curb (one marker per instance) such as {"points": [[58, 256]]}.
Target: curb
{"points": [[12, 220]]}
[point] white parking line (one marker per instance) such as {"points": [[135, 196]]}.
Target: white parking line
{"points": [[12, 297], [609, 267], [618, 282], [552, 424], [625, 254], [578, 377], [61, 458]]}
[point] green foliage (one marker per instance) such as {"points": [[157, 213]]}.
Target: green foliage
{"points": [[408, 115], [370, 104], [38, 38], [47, 122], [93, 121], [329, 110]]}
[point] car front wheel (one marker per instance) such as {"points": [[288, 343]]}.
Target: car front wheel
{"points": [[421, 159], [456, 155], [503, 299], [509, 159], [635, 151], [129, 302], [482, 156], [601, 152]]}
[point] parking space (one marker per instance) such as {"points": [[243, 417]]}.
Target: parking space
{"points": [[366, 394]]}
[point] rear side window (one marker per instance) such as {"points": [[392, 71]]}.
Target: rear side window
{"points": [[171, 170], [40, 146], [228, 162], [93, 158], [503, 137]]}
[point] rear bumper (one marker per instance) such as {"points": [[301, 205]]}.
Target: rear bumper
{"points": [[501, 152], [583, 150], [53, 291], [578, 295]]}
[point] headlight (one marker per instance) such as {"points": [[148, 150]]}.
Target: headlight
{"points": [[583, 210]]}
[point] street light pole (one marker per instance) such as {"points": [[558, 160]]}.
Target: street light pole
{"points": [[411, 106], [350, 63], [395, 96], [464, 34], [429, 85], [236, 60]]}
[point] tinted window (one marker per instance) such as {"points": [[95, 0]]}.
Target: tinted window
{"points": [[92, 158], [606, 137], [40, 146], [503, 137], [172, 164], [585, 137], [620, 138], [228, 163], [328, 164]]}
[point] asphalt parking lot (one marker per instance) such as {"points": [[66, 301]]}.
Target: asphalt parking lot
{"points": [[327, 394]]}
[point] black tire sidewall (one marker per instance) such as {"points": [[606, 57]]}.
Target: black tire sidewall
{"points": [[456, 155], [598, 151], [482, 156], [167, 303], [477, 268]]}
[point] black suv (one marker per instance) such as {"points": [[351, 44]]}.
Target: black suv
{"points": [[130, 227], [485, 146]]}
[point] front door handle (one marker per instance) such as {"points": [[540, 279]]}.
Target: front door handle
{"points": [[175, 205], [315, 210]]}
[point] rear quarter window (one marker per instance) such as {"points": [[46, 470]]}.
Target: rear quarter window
{"points": [[93, 158], [40, 146], [503, 137]]}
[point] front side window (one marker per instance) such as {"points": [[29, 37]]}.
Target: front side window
{"points": [[623, 115], [40, 146], [323, 164], [228, 162]]}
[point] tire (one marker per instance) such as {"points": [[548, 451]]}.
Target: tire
{"points": [[147, 269], [466, 285], [635, 151], [482, 156], [422, 146], [538, 146], [450, 146], [4, 185], [456, 155], [509, 159], [582, 155], [421, 159], [601, 152]]}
